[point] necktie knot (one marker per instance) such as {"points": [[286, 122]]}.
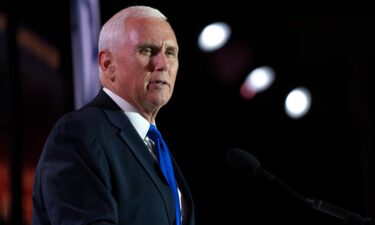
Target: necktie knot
{"points": [[153, 133]]}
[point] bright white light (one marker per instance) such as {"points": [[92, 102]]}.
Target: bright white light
{"points": [[260, 78], [298, 102], [257, 81], [214, 36]]}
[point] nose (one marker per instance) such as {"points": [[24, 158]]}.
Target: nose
{"points": [[160, 61]]}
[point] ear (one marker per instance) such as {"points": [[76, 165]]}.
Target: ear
{"points": [[106, 64]]}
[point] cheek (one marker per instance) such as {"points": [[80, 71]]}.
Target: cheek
{"points": [[173, 79], [174, 76], [175, 71]]}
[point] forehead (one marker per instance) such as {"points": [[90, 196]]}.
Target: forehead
{"points": [[152, 30]]}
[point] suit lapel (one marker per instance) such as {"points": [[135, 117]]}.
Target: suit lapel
{"points": [[131, 138], [185, 192]]}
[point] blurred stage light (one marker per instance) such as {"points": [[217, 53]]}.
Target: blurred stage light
{"points": [[298, 103], [257, 81], [214, 36]]}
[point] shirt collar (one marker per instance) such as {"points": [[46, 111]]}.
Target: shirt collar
{"points": [[140, 124]]}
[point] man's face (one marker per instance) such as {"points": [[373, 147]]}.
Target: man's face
{"points": [[146, 63]]}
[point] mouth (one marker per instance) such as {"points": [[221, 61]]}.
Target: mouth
{"points": [[162, 82], [157, 84]]}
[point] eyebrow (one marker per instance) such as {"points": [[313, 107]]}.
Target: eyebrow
{"points": [[156, 46]]}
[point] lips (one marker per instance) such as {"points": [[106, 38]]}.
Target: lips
{"points": [[158, 82]]}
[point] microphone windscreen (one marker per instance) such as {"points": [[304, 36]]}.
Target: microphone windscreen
{"points": [[242, 161]]}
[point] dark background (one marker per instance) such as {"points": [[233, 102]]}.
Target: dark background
{"points": [[326, 47]]}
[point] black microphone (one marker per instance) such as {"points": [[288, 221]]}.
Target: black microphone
{"points": [[246, 163]]}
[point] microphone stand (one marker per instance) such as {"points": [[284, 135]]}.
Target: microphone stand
{"points": [[343, 214]]}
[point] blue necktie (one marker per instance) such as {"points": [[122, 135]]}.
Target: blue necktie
{"points": [[165, 163]]}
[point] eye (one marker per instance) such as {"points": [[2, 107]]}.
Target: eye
{"points": [[146, 51], [171, 52]]}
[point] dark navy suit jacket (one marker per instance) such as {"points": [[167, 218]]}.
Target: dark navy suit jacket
{"points": [[95, 169]]}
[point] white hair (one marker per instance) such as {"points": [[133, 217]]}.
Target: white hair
{"points": [[112, 28]]}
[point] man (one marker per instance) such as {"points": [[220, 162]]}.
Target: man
{"points": [[98, 166]]}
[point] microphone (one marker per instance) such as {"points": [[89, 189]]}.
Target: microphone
{"points": [[245, 162], [248, 164]]}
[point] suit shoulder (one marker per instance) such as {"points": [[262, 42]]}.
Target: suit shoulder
{"points": [[84, 117]]}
